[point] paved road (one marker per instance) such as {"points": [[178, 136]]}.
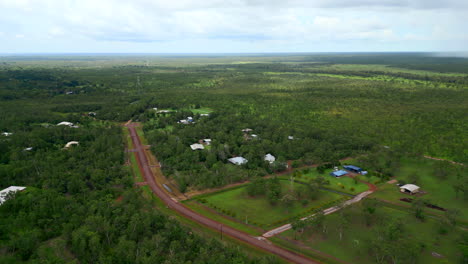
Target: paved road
{"points": [[186, 212]]}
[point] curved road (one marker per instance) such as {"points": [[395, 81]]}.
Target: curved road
{"points": [[186, 212]]}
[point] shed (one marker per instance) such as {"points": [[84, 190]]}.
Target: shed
{"points": [[197, 146], [352, 168], [409, 188], [338, 173], [270, 158], [12, 189], [238, 160]]}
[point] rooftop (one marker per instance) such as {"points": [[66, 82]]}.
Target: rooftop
{"points": [[5, 192]]}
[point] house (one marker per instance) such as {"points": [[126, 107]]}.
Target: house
{"points": [[184, 121], [207, 141], [238, 160], [65, 123], [409, 188], [247, 130], [71, 143], [28, 149], [352, 168], [204, 114], [12, 189], [338, 173], [7, 134], [270, 158], [254, 136], [290, 137], [92, 114], [197, 146]]}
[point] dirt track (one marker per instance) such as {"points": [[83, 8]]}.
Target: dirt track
{"points": [[226, 230]]}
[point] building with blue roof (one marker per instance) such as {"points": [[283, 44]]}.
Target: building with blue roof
{"points": [[352, 168], [338, 173]]}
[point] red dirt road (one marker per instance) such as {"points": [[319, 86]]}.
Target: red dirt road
{"points": [[226, 230]]}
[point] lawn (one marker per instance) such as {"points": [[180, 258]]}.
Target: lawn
{"points": [[342, 184], [258, 211], [202, 110], [355, 243], [439, 191]]}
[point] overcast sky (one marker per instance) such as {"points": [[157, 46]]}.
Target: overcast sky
{"points": [[201, 26]]}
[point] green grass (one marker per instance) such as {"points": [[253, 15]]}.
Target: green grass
{"points": [[259, 211], [337, 183], [439, 191], [199, 208], [202, 110], [354, 246]]}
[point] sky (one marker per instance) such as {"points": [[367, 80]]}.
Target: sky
{"points": [[229, 26]]}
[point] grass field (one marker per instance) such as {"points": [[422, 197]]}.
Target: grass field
{"points": [[202, 110], [439, 191], [259, 211], [355, 243], [342, 184]]}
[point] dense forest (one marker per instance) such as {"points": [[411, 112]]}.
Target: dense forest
{"points": [[80, 205]]}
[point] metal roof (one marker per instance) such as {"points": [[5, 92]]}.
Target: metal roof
{"points": [[5, 192], [270, 158], [410, 187], [238, 160], [338, 173], [352, 167]]}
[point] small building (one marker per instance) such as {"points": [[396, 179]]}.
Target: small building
{"points": [[409, 188], [207, 141], [290, 137], [352, 168], [92, 114], [204, 114], [247, 130], [270, 158], [6, 134], [71, 143], [338, 173], [28, 149], [12, 189], [254, 136], [238, 160], [197, 146], [65, 123]]}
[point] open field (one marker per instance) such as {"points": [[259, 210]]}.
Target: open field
{"points": [[438, 191], [357, 237], [259, 212]]}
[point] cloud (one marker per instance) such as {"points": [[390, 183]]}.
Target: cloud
{"points": [[252, 21]]}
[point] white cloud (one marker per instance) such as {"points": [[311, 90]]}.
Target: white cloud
{"points": [[252, 21]]}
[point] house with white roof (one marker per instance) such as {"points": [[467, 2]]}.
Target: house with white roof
{"points": [[71, 143], [197, 146], [65, 123], [4, 194], [270, 158], [238, 160], [7, 134], [207, 141]]}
